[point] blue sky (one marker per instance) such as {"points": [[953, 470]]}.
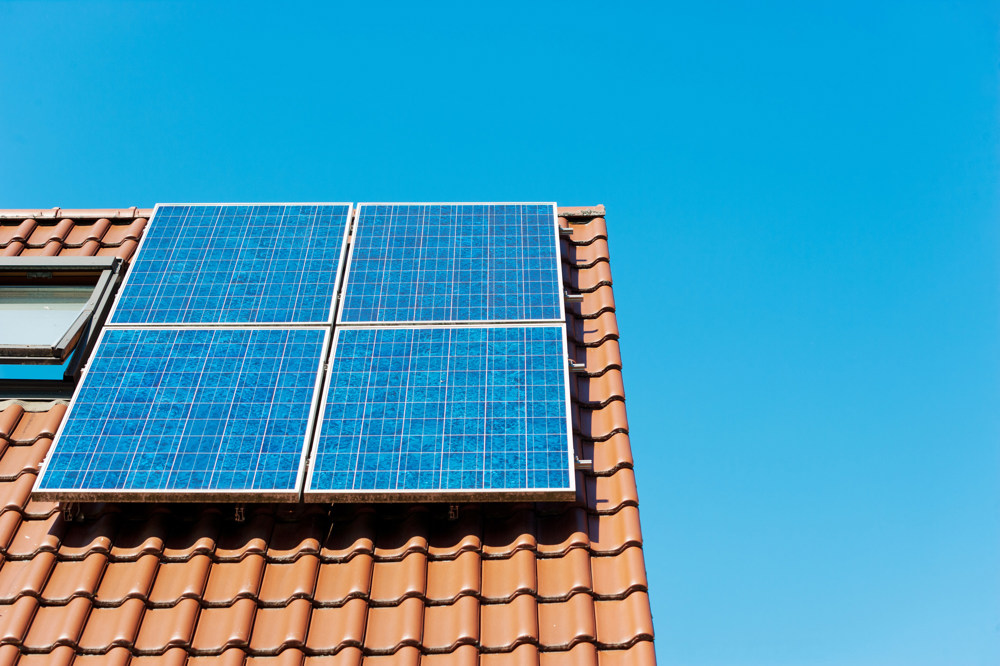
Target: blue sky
{"points": [[802, 202]]}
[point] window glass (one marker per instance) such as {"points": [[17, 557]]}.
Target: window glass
{"points": [[40, 315]]}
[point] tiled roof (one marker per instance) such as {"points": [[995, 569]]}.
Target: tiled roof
{"points": [[494, 584]]}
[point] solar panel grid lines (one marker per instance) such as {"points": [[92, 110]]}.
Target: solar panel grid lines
{"points": [[190, 414], [453, 262], [444, 413], [236, 264]]}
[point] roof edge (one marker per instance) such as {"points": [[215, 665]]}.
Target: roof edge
{"points": [[57, 213]]}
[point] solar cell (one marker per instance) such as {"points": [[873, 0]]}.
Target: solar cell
{"points": [[437, 263], [236, 264], [472, 411], [189, 412]]}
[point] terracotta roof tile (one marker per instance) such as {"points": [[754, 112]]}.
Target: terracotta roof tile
{"points": [[565, 623], [505, 578], [561, 577], [73, 578], [112, 626], [127, 580], [57, 625], [536, 583], [622, 623], [447, 579], [390, 627], [504, 625], [276, 629], [20, 577], [332, 629], [392, 581], [228, 581], [15, 618], [338, 581], [180, 580], [289, 581], [16, 460], [164, 628], [221, 628], [620, 574], [447, 627]]}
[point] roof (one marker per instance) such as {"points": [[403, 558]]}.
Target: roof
{"points": [[491, 584]]}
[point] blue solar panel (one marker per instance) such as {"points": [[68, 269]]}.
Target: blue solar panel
{"points": [[467, 409], [182, 410], [451, 263], [236, 264]]}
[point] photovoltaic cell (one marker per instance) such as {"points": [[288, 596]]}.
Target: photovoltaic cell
{"points": [[445, 409], [451, 263], [235, 264], [181, 410]]}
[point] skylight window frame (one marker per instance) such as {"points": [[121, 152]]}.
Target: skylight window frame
{"points": [[78, 341]]}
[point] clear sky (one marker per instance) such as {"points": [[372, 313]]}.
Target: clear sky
{"points": [[803, 207]]}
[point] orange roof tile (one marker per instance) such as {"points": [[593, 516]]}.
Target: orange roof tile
{"points": [[502, 584]]}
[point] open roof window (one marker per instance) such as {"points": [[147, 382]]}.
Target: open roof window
{"points": [[50, 309]]}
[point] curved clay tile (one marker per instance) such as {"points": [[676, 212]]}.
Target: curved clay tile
{"points": [[333, 629], [607, 494], [619, 574], [588, 232], [222, 628], [24, 577], [505, 625], [391, 627], [74, 578], [163, 628], [563, 576], [127, 580], [565, 623], [396, 580], [179, 580], [229, 581], [48, 233], [342, 580], [83, 233], [612, 533], [449, 579], [9, 233], [504, 579], [288, 581], [449, 626], [625, 622], [277, 629], [57, 625]]}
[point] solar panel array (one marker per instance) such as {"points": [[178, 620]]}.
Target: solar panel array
{"points": [[253, 264], [446, 379], [191, 410], [458, 408], [453, 263]]}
